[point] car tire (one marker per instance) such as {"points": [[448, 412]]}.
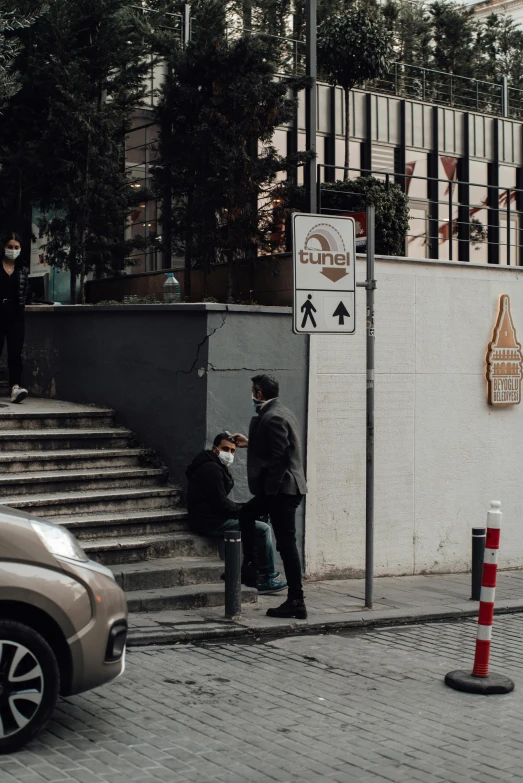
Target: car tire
{"points": [[29, 684]]}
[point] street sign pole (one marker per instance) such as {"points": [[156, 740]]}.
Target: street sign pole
{"points": [[311, 109], [370, 286]]}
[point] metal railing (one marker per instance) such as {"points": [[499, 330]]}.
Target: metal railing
{"points": [[447, 89], [453, 227], [288, 52]]}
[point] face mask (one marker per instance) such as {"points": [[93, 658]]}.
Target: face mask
{"points": [[256, 403], [226, 457], [12, 255]]}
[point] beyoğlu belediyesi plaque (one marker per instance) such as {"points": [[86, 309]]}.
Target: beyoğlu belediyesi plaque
{"points": [[504, 359]]}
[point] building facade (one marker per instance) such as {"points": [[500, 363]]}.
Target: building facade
{"points": [[462, 169]]}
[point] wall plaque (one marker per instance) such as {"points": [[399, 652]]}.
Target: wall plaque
{"points": [[504, 359]]}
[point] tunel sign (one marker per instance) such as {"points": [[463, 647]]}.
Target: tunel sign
{"points": [[504, 359]]}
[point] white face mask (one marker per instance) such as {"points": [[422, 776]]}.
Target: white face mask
{"points": [[226, 457], [12, 255]]}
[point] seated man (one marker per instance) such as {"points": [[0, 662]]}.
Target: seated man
{"points": [[211, 513]]}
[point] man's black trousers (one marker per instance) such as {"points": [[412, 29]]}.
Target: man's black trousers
{"points": [[282, 513], [12, 331]]}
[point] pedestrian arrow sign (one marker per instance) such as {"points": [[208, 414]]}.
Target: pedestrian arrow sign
{"points": [[342, 313], [324, 274]]}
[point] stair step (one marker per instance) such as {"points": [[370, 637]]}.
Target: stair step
{"points": [[133, 549], [54, 439], [23, 461], [142, 522], [19, 418], [79, 480], [186, 597], [169, 572], [116, 500]]}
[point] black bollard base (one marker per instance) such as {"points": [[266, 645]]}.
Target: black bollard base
{"points": [[486, 686]]}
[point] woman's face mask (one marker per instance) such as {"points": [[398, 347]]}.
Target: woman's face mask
{"points": [[11, 253]]}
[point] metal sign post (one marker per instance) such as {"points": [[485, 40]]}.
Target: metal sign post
{"points": [[324, 256], [311, 108], [370, 286]]}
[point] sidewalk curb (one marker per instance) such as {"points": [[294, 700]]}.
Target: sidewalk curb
{"points": [[363, 620]]}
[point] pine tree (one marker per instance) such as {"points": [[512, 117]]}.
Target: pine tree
{"points": [[14, 17], [501, 43], [82, 76], [409, 25], [219, 108], [354, 46], [455, 37]]}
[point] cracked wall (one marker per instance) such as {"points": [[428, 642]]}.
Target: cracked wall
{"points": [[244, 344], [176, 375]]}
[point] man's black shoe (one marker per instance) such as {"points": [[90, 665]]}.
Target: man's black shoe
{"points": [[293, 607]]}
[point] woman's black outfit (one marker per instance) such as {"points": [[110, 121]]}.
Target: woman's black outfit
{"points": [[13, 296]]}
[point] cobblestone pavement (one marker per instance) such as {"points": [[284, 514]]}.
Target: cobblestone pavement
{"points": [[366, 707]]}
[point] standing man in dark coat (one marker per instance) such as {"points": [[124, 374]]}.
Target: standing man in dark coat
{"points": [[277, 481]]}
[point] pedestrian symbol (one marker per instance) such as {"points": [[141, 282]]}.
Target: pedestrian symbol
{"points": [[341, 312], [308, 309]]}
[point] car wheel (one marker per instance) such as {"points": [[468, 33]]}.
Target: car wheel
{"points": [[29, 684]]}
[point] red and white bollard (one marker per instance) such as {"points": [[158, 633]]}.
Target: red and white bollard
{"points": [[480, 681]]}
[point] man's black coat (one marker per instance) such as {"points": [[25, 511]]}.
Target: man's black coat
{"points": [[210, 483], [274, 456]]}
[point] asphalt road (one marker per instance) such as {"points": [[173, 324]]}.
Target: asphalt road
{"points": [[365, 707]]}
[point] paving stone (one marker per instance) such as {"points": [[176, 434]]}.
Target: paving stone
{"points": [[331, 707]]}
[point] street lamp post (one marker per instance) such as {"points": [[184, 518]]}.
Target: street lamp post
{"points": [[311, 108]]}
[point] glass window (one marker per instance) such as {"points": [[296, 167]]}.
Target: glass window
{"points": [[478, 212], [143, 221], [417, 246], [416, 171], [508, 216], [448, 207]]}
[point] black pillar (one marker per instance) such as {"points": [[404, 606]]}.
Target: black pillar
{"points": [[330, 139], [400, 152], [366, 147], [433, 187], [464, 195], [493, 198]]}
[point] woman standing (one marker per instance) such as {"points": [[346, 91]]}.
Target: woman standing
{"points": [[13, 295]]}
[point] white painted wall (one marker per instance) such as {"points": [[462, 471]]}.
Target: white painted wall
{"points": [[442, 453]]}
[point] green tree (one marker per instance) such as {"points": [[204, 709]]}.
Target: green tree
{"points": [[82, 74], [391, 204], [354, 46], [456, 39], [14, 17], [409, 26], [219, 107], [501, 43]]}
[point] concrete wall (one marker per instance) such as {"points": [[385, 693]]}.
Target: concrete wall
{"points": [[442, 453], [175, 374], [240, 348]]}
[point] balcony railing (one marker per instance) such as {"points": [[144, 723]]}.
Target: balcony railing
{"points": [[447, 89], [445, 223]]}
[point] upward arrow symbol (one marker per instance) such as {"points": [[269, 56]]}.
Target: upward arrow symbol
{"points": [[341, 312]]}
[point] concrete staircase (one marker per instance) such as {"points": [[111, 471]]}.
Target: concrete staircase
{"points": [[72, 465]]}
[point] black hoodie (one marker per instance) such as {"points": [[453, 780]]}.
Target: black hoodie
{"points": [[210, 482]]}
